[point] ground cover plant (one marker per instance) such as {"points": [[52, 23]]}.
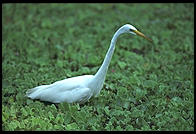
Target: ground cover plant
{"points": [[148, 86]]}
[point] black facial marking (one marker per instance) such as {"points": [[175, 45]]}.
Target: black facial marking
{"points": [[131, 30]]}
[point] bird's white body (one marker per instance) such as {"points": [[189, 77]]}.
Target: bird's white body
{"points": [[69, 90], [80, 88]]}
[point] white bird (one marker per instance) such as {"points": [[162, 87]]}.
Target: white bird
{"points": [[81, 88]]}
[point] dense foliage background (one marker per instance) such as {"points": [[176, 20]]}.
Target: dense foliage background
{"points": [[148, 86]]}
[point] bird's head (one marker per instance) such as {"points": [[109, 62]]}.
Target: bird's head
{"points": [[127, 28]]}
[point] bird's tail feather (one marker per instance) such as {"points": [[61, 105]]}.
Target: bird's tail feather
{"points": [[33, 92]]}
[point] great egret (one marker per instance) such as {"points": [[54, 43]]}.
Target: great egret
{"points": [[81, 88]]}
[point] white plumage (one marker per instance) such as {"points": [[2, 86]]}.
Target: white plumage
{"points": [[81, 88], [69, 90]]}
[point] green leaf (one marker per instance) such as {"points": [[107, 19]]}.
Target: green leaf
{"points": [[46, 23], [72, 126], [64, 106], [24, 112], [122, 64], [129, 128], [67, 117], [149, 84], [140, 93], [29, 101], [50, 115], [107, 110], [119, 128]]}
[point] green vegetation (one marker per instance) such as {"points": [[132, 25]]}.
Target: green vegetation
{"points": [[148, 86]]}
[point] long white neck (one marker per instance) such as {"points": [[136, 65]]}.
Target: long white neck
{"points": [[101, 73]]}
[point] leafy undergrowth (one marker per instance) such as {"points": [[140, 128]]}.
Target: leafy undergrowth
{"points": [[148, 86]]}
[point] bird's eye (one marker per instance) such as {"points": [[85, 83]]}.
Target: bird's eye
{"points": [[131, 30]]}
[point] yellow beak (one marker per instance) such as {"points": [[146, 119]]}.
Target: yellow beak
{"points": [[142, 35]]}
